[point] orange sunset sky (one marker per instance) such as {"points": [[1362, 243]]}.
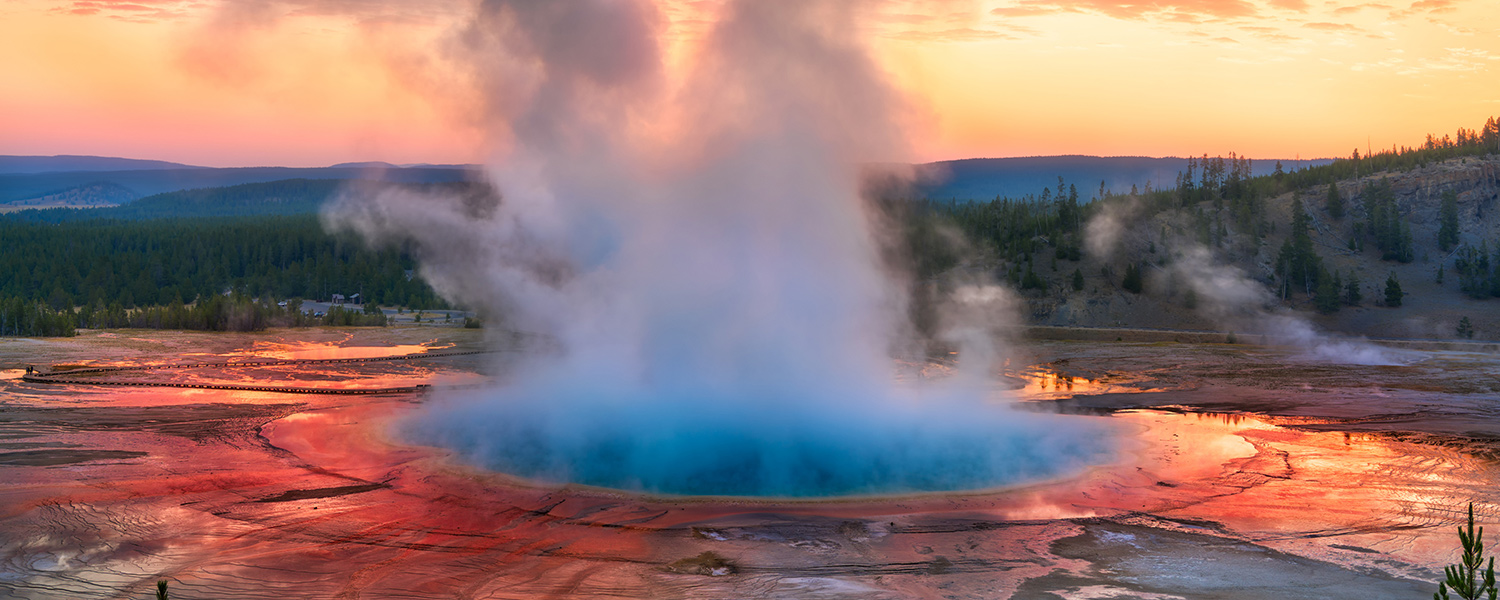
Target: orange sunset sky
{"points": [[316, 82]]}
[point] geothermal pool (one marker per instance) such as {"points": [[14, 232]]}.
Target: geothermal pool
{"points": [[1234, 472], [741, 445]]}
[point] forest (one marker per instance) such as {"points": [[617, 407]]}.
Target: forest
{"points": [[1218, 196], [203, 273], [222, 258], [156, 263]]}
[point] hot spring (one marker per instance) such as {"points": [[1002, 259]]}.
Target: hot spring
{"points": [[816, 443], [688, 224]]}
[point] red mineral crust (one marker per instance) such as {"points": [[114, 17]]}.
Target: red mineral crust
{"points": [[232, 494]]}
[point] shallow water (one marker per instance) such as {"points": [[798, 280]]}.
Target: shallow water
{"points": [[326, 350], [736, 446]]}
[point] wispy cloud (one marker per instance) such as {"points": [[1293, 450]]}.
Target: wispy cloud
{"points": [[1349, 10], [1270, 34], [1457, 60], [1188, 11], [1431, 7], [959, 34], [1326, 26], [1453, 29], [365, 11], [129, 10]]}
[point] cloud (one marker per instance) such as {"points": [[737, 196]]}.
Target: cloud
{"points": [[1432, 5], [1453, 29], [1024, 11], [129, 10], [917, 18], [1426, 6], [266, 12], [1326, 26], [1296, 5], [1187, 11], [932, 21], [1271, 34], [956, 35], [1458, 60], [1348, 10]]}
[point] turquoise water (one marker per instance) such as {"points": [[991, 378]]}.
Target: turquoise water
{"points": [[817, 447]]}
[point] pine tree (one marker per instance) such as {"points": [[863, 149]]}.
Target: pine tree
{"points": [[1469, 579], [1297, 262], [1465, 328], [1405, 250], [1335, 202], [1352, 297], [1448, 233], [1031, 281], [1393, 292], [1077, 280], [1326, 299], [1132, 282]]}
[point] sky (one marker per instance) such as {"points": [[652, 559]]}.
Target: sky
{"points": [[317, 82]]}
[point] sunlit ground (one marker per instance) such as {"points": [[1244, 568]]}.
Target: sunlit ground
{"points": [[1243, 473]]}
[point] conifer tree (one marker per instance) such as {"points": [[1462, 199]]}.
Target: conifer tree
{"points": [[1297, 262], [1335, 202], [1326, 299], [1448, 232], [1352, 296], [1132, 282], [1031, 281], [1469, 579], [1393, 293]]}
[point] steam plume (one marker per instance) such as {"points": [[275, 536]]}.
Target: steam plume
{"points": [[1230, 297], [695, 241]]}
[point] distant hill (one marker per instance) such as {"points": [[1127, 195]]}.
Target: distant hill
{"points": [[12, 165], [987, 178], [386, 165], [146, 182], [99, 194], [285, 197], [95, 180]]}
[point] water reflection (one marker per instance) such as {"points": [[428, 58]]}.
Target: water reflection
{"points": [[327, 350], [1045, 382]]}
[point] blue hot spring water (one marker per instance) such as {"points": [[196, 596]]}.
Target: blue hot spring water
{"points": [[723, 442]]}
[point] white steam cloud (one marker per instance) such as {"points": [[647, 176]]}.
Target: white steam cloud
{"points": [[697, 247], [1104, 231], [1228, 296]]}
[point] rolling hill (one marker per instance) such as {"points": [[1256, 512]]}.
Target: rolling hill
{"points": [[987, 178], [20, 187]]}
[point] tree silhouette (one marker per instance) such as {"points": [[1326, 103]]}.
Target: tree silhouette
{"points": [[1335, 203], [1132, 282], [1393, 293], [1448, 232]]}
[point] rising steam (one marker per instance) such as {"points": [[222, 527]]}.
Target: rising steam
{"points": [[694, 242], [1229, 297]]}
